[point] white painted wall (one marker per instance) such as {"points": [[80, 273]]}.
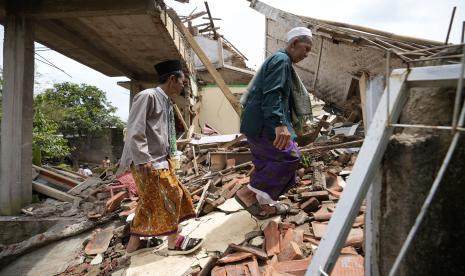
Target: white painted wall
{"points": [[217, 111]]}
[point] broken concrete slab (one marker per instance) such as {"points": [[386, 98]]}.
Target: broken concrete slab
{"points": [[219, 229], [97, 259], [230, 205], [143, 264], [51, 259]]}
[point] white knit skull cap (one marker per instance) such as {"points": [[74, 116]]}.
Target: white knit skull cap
{"points": [[298, 31]]}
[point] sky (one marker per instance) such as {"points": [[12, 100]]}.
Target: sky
{"points": [[245, 28]]}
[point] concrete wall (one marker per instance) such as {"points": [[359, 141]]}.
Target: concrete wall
{"points": [[93, 149], [210, 47], [410, 166], [217, 111]]}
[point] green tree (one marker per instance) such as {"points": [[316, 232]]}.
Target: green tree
{"points": [[46, 139], [79, 110]]}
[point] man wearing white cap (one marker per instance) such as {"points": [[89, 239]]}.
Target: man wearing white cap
{"points": [[272, 111]]}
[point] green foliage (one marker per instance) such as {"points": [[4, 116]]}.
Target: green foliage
{"points": [[65, 167], [68, 109], [306, 160], [78, 109], [45, 138]]}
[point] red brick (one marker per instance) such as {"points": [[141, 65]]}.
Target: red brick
{"points": [[334, 193], [229, 185], [349, 250], [99, 242], [359, 221], [349, 265], [283, 226], [242, 181], [296, 267], [322, 216], [253, 268], [218, 271], [320, 195], [230, 163], [233, 191], [237, 248], [291, 251], [310, 205], [272, 237], [235, 257], [114, 202], [290, 235]]}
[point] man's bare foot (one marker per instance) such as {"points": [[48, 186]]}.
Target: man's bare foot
{"points": [[133, 244], [247, 196]]}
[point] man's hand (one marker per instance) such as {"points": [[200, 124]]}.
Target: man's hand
{"points": [[283, 137], [145, 169]]}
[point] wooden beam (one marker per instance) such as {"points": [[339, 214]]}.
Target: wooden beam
{"points": [[57, 177], [47, 9], [51, 192], [206, 62], [16, 125], [202, 198], [363, 99], [179, 114], [211, 20], [317, 69]]}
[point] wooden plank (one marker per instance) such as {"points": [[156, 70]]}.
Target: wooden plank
{"points": [[318, 129], [194, 159], [363, 172], [233, 142], [51, 192], [317, 69], [181, 118], [206, 62], [44, 9], [351, 144], [362, 83], [57, 177], [202, 198]]}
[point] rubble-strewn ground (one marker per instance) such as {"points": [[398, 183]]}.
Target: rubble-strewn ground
{"points": [[235, 242]]}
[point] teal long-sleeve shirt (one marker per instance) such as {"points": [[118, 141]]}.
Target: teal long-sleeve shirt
{"points": [[267, 105]]}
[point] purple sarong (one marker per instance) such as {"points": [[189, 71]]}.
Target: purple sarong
{"points": [[275, 170]]}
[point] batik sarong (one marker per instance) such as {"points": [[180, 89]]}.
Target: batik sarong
{"points": [[163, 203], [275, 170]]}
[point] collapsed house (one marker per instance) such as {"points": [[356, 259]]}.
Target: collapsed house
{"points": [[341, 55], [352, 64]]}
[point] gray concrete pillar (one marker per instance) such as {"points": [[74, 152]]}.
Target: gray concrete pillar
{"points": [[16, 127]]}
